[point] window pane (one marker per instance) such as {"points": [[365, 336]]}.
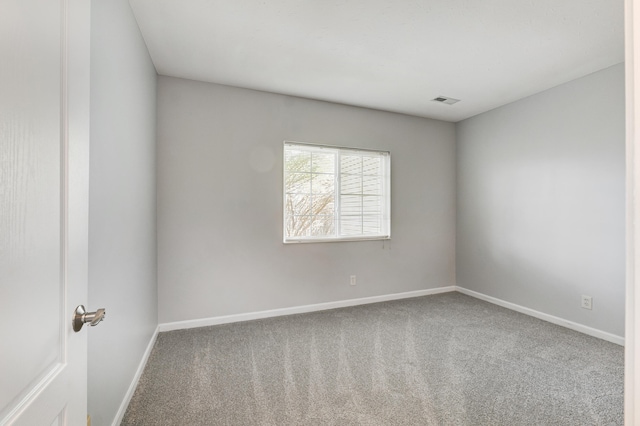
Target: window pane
{"points": [[323, 204], [322, 184], [313, 174], [371, 185], [372, 205], [351, 164], [372, 165], [322, 226], [351, 225], [350, 205], [371, 225], [297, 204], [298, 183], [297, 160], [351, 184], [298, 226], [324, 162]]}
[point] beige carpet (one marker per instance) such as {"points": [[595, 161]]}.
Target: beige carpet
{"points": [[445, 359]]}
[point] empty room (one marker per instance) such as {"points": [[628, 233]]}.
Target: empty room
{"points": [[336, 213]]}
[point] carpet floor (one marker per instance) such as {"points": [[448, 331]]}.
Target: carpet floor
{"points": [[446, 359]]}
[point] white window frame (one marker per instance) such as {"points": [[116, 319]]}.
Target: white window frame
{"points": [[386, 195]]}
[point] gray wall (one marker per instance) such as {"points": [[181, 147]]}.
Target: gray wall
{"points": [[541, 201], [220, 247], [122, 235]]}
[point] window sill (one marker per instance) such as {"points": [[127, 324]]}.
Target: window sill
{"points": [[336, 240]]}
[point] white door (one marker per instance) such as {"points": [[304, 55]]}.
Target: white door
{"points": [[44, 155]]}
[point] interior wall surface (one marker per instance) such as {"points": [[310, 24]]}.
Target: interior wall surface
{"points": [[220, 203], [122, 216], [541, 201]]}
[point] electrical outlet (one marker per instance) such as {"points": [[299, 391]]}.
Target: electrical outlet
{"points": [[586, 302], [353, 280]]}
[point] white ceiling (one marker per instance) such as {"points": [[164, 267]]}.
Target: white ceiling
{"points": [[393, 55]]}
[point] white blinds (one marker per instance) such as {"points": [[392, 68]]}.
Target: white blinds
{"points": [[335, 193]]}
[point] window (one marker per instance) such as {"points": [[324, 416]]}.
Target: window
{"points": [[335, 194]]}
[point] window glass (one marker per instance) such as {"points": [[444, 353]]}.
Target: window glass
{"points": [[333, 193]]}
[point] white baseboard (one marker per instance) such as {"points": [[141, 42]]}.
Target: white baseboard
{"points": [[204, 322], [134, 382], [546, 317]]}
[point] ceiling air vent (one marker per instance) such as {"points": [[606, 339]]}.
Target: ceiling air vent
{"points": [[445, 100]]}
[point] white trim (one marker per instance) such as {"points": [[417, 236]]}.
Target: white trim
{"points": [[227, 319], [136, 378], [546, 317], [632, 295], [306, 240], [204, 322], [321, 146]]}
